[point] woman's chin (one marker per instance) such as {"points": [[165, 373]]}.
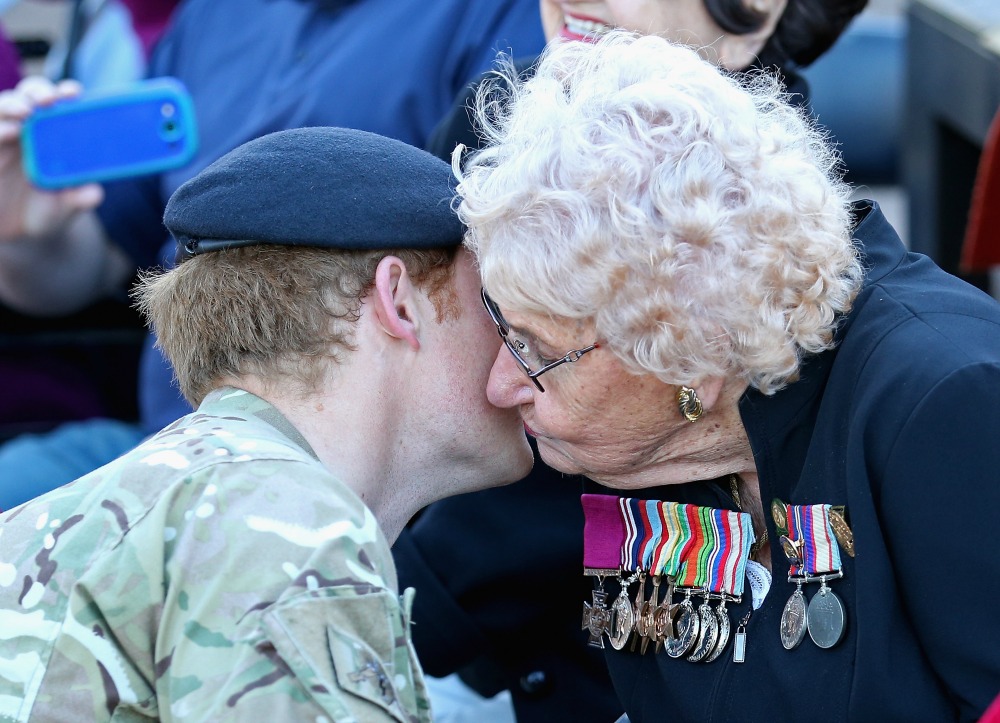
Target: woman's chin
{"points": [[556, 458]]}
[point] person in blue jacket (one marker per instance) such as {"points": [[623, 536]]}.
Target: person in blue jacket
{"points": [[391, 67], [788, 420], [782, 36]]}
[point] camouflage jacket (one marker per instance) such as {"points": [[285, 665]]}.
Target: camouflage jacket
{"points": [[216, 572]]}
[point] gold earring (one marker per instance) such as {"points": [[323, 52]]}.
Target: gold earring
{"points": [[689, 404]]}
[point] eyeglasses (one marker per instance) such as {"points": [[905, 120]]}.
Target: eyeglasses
{"points": [[523, 351]]}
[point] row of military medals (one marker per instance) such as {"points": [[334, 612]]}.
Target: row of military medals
{"points": [[687, 551], [809, 539]]}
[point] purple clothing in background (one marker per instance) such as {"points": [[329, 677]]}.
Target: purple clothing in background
{"points": [[149, 18], [10, 62]]}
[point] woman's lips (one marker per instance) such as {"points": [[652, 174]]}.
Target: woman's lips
{"points": [[529, 430]]}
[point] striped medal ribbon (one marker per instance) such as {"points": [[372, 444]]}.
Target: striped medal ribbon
{"points": [[813, 556], [694, 550]]}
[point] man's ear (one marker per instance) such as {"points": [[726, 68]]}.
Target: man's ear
{"points": [[394, 300]]}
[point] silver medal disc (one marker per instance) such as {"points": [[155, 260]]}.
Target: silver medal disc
{"points": [[825, 618], [708, 633], [687, 631], [793, 620], [724, 628], [624, 619]]}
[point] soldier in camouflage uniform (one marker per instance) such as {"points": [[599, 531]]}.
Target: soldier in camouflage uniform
{"points": [[236, 565]]}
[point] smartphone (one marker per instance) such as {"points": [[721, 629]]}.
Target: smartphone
{"points": [[143, 128]]}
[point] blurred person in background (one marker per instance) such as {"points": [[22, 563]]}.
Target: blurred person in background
{"points": [[82, 365], [384, 66], [10, 62], [108, 42], [784, 36]]}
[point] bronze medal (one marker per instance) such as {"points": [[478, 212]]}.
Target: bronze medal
{"points": [[637, 609], [842, 530], [779, 515], [649, 621], [792, 549], [664, 615], [597, 619], [664, 622], [645, 628]]}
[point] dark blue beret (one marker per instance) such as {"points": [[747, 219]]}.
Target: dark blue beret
{"points": [[322, 186]]}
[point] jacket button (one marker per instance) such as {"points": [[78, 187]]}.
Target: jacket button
{"points": [[535, 683]]}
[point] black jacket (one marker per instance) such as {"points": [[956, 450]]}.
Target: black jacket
{"points": [[901, 424], [500, 596]]}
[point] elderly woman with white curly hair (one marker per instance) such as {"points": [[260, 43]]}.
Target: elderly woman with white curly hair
{"points": [[758, 378]]}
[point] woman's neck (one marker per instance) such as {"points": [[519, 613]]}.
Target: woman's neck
{"points": [[747, 498]]}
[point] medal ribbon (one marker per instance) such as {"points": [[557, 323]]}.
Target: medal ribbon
{"points": [[666, 552], [625, 553], [693, 574], [653, 522], [723, 554], [811, 525], [677, 523], [700, 547], [741, 535], [637, 554], [603, 532]]}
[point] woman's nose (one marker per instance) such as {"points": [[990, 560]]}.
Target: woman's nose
{"points": [[508, 385]]}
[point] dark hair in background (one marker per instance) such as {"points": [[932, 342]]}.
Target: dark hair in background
{"points": [[734, 16], [805, 31]]}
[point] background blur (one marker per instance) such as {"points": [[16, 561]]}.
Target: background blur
{"points": [[908, 92]]}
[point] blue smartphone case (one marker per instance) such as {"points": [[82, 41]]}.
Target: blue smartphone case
{"points": [[146, 128]]}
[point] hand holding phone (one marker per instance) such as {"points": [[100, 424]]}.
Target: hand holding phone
{"points": [[145, 128]]}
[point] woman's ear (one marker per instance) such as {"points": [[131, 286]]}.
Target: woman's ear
{"points": [[394, 301], [708, 390]]}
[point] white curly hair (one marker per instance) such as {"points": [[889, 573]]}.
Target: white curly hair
{"points": [[699, 222]]}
